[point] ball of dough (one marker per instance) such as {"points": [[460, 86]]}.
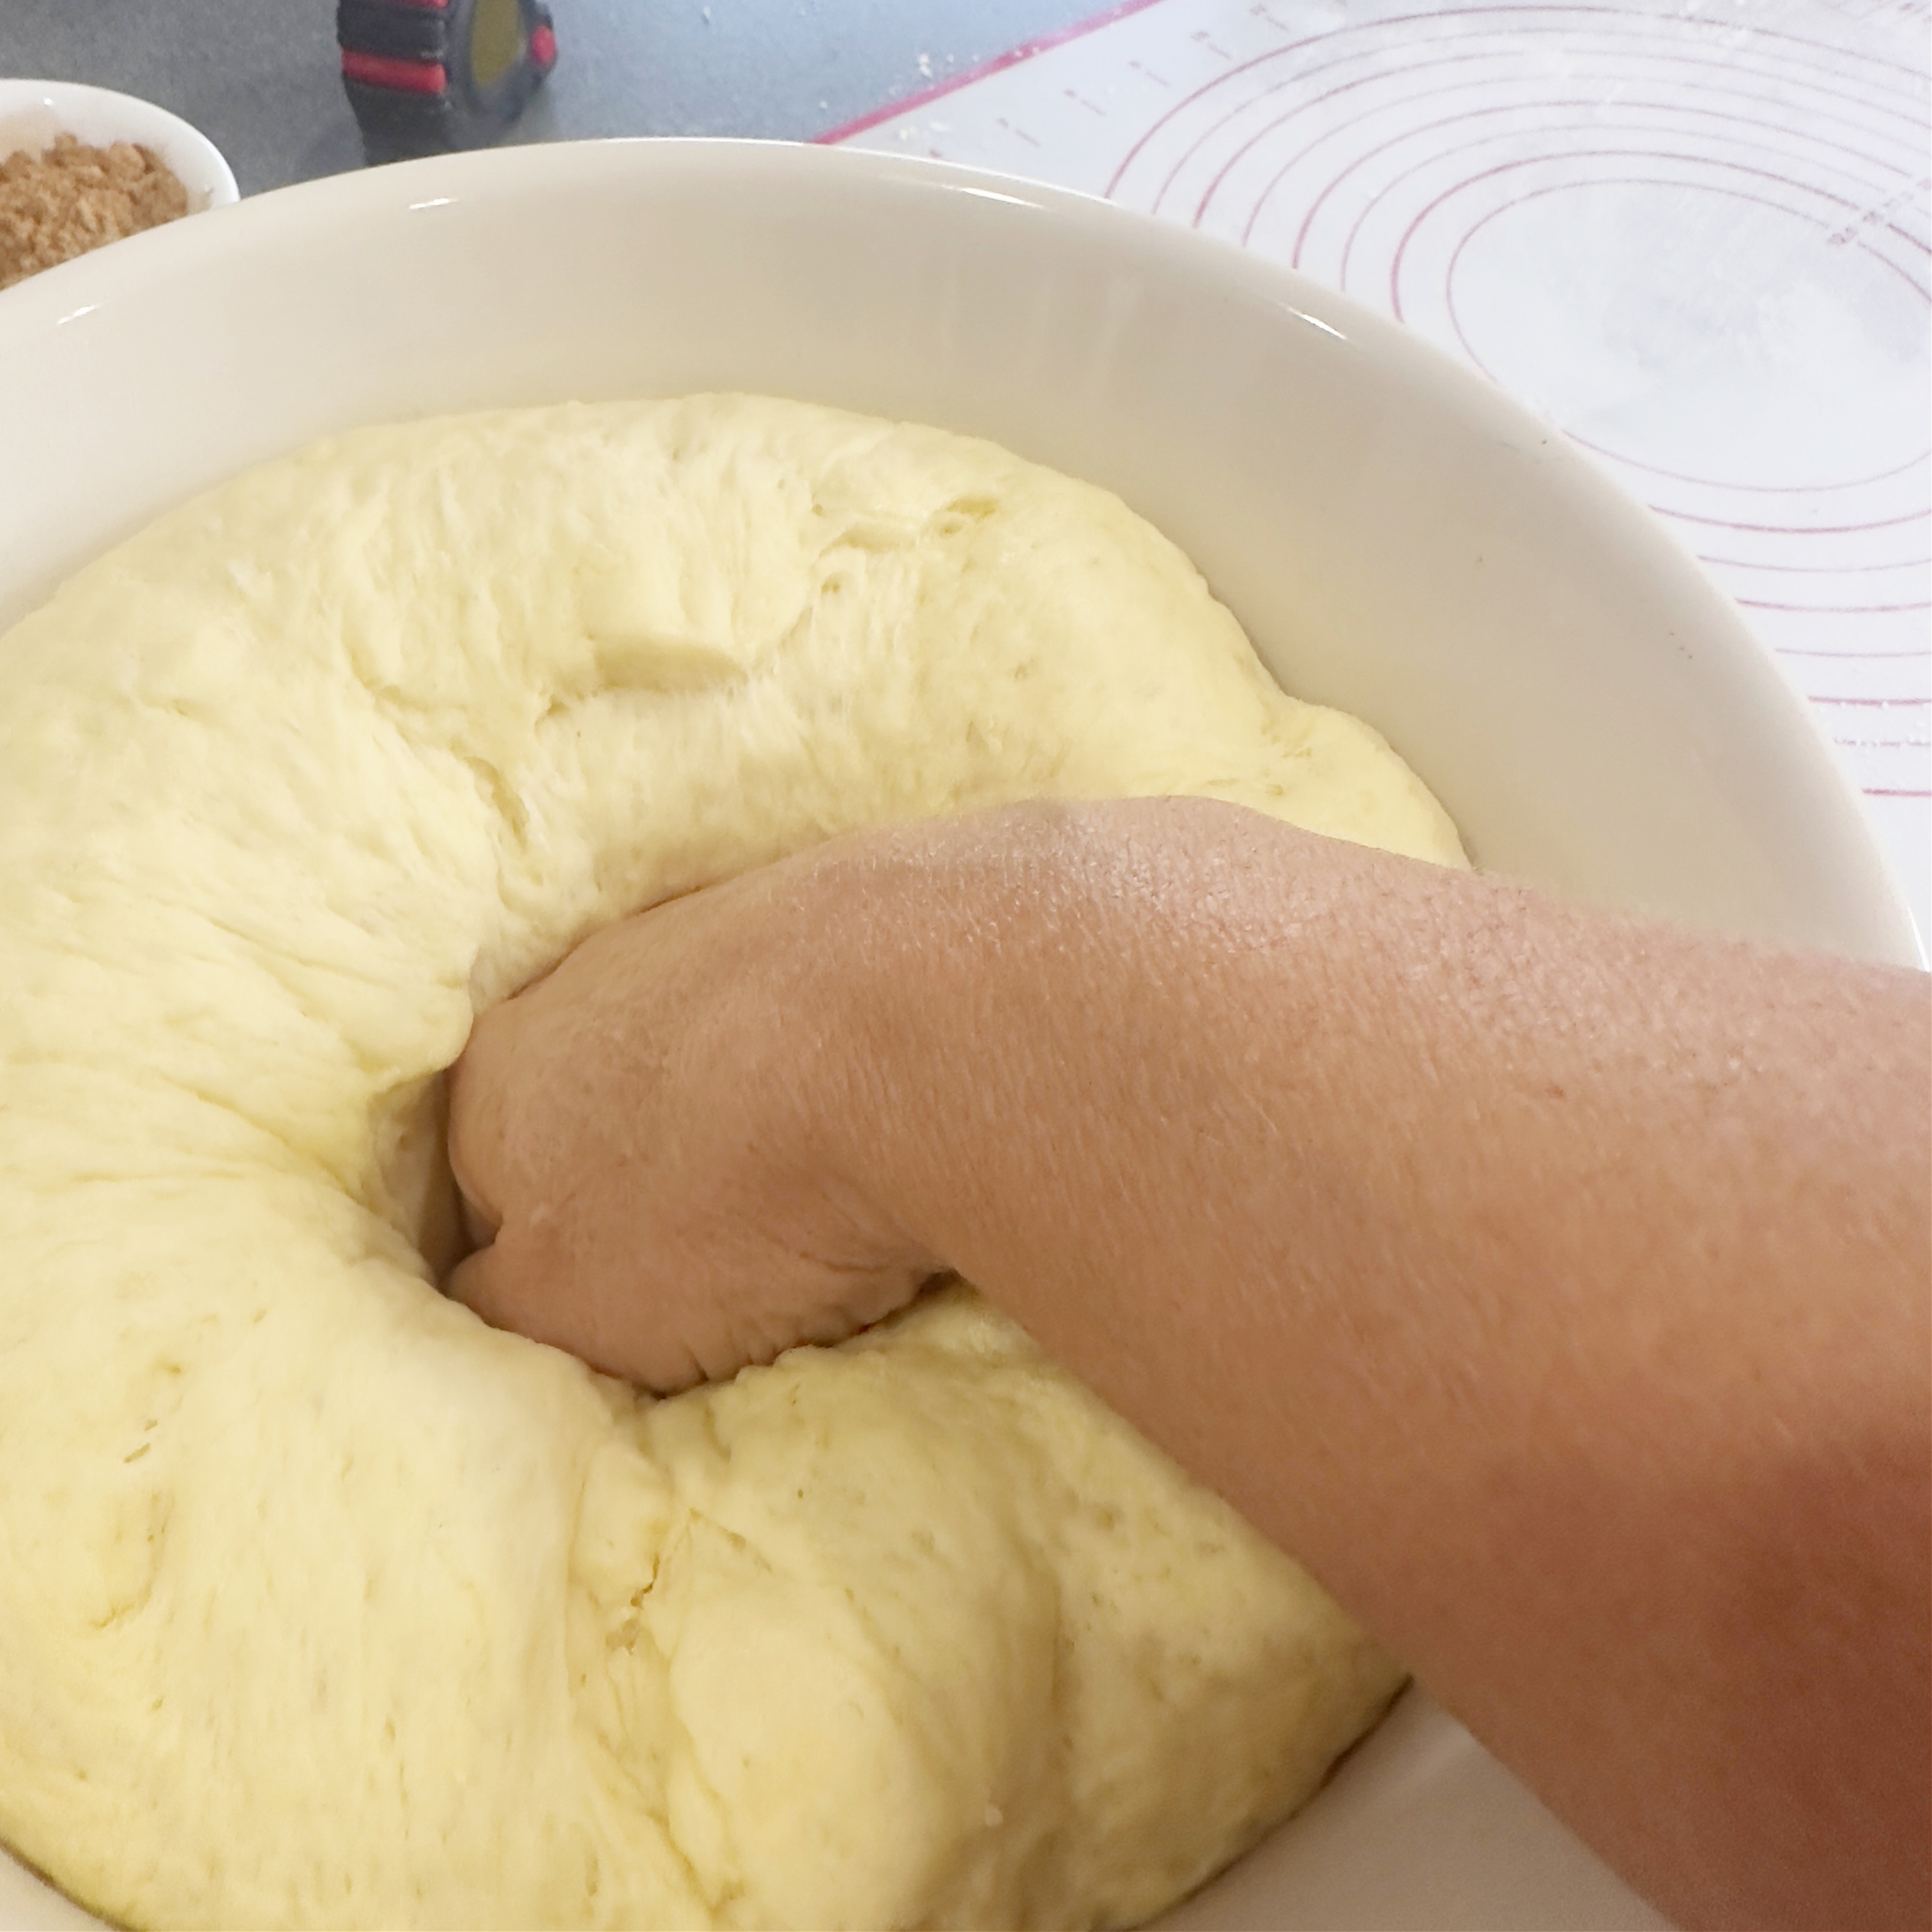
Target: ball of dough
{"points": [[320, 1603]]}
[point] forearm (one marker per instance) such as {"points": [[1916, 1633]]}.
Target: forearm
{"points": [[1555, 1289]]}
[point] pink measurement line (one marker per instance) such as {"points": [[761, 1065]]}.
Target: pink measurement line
{"points": [[1517, 21], [1519, 108], [1486, 57], [1013, 57], [1695, 162], [1792, 529], [1815, 569], [1834, 610]]}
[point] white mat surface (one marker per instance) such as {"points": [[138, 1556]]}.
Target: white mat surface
{"points": [[1693, 234]]}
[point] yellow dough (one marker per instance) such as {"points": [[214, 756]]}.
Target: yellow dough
{"points": [[321, 1603]]}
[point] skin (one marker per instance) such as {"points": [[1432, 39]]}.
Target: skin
{"points": [[1554, 1286]]}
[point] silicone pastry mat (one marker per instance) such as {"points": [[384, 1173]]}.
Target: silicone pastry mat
{"points": [[1694, 236]]}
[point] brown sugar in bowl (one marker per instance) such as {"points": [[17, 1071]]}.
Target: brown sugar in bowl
{"points": [[82, 167], [69, 198]]}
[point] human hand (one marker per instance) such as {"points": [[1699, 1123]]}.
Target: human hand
{"points": [[644, 1134]]}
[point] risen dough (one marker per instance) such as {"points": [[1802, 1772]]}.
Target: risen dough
{"points": [[322, 1603]]}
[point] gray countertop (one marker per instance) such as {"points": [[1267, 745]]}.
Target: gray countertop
{"points": [[260, 78]]}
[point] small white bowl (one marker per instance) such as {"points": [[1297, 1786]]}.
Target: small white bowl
{"points": [[33, 112]]}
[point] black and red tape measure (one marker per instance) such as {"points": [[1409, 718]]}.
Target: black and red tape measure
{"points": [[428, 75]]}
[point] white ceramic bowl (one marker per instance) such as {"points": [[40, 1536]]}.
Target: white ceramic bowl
{"points": [[1398, 538], [33, 112]]}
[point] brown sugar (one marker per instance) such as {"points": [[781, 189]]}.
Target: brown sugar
{"points": [[60, 203]]}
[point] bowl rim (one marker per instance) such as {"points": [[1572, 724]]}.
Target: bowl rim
{"points": [[183, 251], [541, 171], [147, 123]]}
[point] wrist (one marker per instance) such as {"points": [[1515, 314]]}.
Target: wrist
{"points": [[854, 953], [948, 962]]}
